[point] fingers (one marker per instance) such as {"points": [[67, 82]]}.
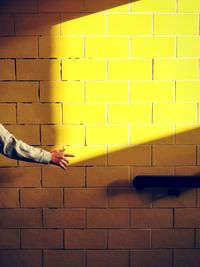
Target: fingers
{"points": [[62, 165]]}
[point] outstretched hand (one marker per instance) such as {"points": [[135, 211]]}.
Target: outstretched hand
{"points": [[59, 158]]}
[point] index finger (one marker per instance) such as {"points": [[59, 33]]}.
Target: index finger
{"points": [[69, 155]]}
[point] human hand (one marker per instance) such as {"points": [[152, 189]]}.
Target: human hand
{"points": [[59, 158]]}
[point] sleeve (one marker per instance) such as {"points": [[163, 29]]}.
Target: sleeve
{"points": [[16, 149]]}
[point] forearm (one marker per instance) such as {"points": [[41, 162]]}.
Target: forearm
{"points": [[16, 149]]}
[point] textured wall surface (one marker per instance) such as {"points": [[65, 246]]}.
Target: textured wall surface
{"points": [[117, 83]]}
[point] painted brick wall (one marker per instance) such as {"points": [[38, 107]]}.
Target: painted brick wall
{"points": [[117, 83]]}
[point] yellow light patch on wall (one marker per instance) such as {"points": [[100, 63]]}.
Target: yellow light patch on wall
{"points": [[189, 6], [176, 69], [175, 112], [103, 134], [63, 134], [152, 91], [154, 6], [61, 91], [130, 24], [188, 91], [168, 24], [85, 24], [145, 47], [130, 69], [60, 47], [74, 69], [188, 46], [129, 113], [107, 47], [84, 113], [107, 91], [152, 134], [187, 134], [87, 155]]}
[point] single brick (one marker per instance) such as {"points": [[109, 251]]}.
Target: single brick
{"points": [[82, 239], [60, 47], [171, 24], [188, 6], [152, 134], [18, 47], [174, 112], [62, 134], [129, 113], [153, 47], [64, 218], [154, 6], [187, 134], [83, 25], [9, 198], [61, 91], [7, 69], [9, 239], [135, 171], [37, 24], [39, 113], [161, 199], [130, 69], [41, 238], [107, 176], [128, 197], [20, 257], [184, 45], [152, 91], [176, 69], [54, 177], [152, 218], [187, 218], [173, 238], [130, 155], [85, 197], [106, 91], [38, 69], [111, 47], [103, 134], [174, 155], [186, 257], [20, 177], [88, 155], [19, 7], [107, 258], [107, 218], [41, 197], [20, 218], [63, 258], [151, 258], [22, 132], [19, 91], [94, 69], [126, 239], [84, 113], [116, 27]]}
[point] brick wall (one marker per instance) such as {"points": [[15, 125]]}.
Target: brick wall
{"points": [[117, 83]]}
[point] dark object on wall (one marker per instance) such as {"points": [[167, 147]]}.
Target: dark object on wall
{"points": [[174, 183]]}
